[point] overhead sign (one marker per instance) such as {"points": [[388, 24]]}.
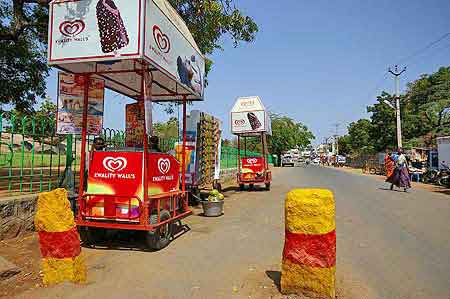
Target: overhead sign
{"points": [[120, 30], [249, 116], [168, 48], [104, 29]]}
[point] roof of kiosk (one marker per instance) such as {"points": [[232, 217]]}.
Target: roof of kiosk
{"points": [[249, 117], [116, 39]]}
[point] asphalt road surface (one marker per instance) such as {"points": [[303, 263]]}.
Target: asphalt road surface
{"points": [[389, 245]]}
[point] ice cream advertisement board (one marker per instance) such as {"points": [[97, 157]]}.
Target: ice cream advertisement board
{"points": [[70, 104], [120, 173], [249, 116], [113, 32], [102, 28]]}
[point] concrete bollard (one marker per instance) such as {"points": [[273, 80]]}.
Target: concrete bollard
{"points": [[309, 255], [58, 239]]}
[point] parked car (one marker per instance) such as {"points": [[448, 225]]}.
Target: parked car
{"points": [[341, 160], [287, 160], [316, 161]]}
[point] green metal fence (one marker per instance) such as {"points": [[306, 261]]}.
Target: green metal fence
{"points": [[229, 156], [33, 158]]}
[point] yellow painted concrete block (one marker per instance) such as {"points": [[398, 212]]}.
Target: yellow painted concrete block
{"points": [[53, 212], [305, 280], [310, 211], [67, 269]]}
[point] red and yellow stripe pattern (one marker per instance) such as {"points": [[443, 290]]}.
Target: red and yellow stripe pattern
{"points": [[309, 255], [58, 239]]}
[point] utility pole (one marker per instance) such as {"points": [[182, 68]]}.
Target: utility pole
{"points": [[336, 136], [396, 73]]}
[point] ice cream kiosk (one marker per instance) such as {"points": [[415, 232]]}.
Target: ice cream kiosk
{"points": [[143, 50], [249, 118]]}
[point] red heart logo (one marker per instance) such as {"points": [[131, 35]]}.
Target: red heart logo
{"points": [[72, 28], [162, 40]]}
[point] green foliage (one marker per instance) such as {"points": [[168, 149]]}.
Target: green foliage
{"points": [[41, 122], [425, 114], [210, 20], [166, 130], [23, 58], [287, 134]]}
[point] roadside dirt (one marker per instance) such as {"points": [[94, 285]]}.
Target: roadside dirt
{"points": [[23, 252]]}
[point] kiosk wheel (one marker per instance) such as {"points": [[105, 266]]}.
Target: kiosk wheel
{"points": [[241, 187], [268, 186], [159, 238]]}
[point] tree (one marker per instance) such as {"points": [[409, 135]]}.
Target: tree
{"points": [[41, 122], [166, 130], [428, 100], [381, 128], [344, 145], [287, 134], [23, 61], [359, 136], [23, 41]]}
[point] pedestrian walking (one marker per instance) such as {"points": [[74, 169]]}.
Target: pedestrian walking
{"points": [[389, 164], [400, 177]]}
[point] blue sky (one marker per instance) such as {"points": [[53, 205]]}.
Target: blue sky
{"points": [[318, 62]]}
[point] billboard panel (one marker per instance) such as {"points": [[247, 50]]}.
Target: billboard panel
{"points": [[168, 47], [103, 29], [70, 105]]}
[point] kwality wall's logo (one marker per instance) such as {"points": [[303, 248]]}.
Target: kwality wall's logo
{"points": [[239, 122], [163, 44], [161, 39], [164, 168], [71, 28], [114, 164], [114, 167], [252, 160], [163, 165], [72, 32]]}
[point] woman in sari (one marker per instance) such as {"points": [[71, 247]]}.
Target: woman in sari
{"points": [[400, 177], [389, 164]]}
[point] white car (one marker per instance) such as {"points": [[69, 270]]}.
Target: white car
{"points": [[287, 160], [316, 161]]}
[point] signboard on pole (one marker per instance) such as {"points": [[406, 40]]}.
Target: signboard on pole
{"points": [[249, 116], [134, 124], [70, 104]]}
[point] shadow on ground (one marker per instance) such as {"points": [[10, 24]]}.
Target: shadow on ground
{"points": [[275, 276], [131, 240]]}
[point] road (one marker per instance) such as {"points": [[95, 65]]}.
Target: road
{"points": [[389, 245]]}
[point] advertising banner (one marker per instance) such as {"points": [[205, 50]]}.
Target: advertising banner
{"points": [[190, 156], [252, 167], [249, 116], [167, 47], [104, 29], [121, 174], [70, 105], [246, 122], [134, 124]]}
